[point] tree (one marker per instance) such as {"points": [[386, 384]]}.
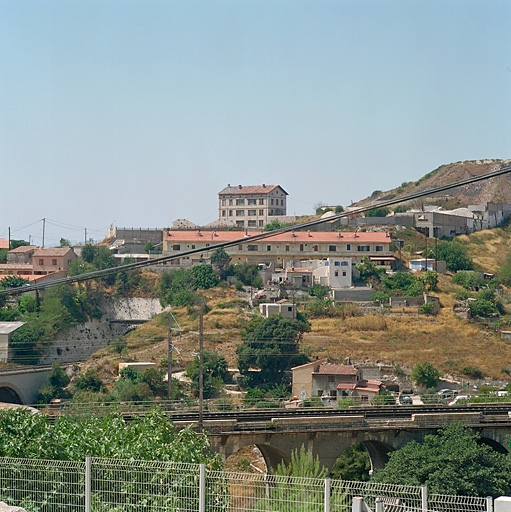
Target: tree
{"points": [[274, 225], [18, 243], [504, 272], [302, 464], [58, 379], [248, 274], [454, 255], [369, 272], [148, 247], [452, 462], [319, 291], [271, 346], [214, 373], [378, 212], [482, 308], [203, 276], [384, 397], [89, 252], [64, 242], [13, 282], [221, 263], [425, 374], [352, 464], [469, 279]]}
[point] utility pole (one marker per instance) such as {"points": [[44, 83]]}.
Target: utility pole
{"points": [[9, 238], [85, 237], [201, 369], [44, 227], [169, 367]]}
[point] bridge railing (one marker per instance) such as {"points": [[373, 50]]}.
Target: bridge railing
{"points": [[115, 485]]}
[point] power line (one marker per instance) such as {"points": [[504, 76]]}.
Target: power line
{"points": [[252, 238]]}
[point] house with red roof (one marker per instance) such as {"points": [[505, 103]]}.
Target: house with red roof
{"points": [[280, 250], [333, 381]]}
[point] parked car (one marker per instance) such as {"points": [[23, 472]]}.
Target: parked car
{"points": [[405, 400]]}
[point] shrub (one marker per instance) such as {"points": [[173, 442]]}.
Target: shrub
{"points": [[428, 308], [473, 372]]}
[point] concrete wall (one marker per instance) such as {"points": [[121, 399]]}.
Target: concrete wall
{"points": [[80, 342]]}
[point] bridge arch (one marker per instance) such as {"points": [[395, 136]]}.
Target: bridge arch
{"points": [[494, 444], [9, 394], [378, 453]]}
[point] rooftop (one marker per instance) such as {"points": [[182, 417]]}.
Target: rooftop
{"points": [[249, 189]]}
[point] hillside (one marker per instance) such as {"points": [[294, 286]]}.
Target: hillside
{"points": [[495, 190]]}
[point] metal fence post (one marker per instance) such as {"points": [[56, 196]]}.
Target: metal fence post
{"points": [[202, 487], [489, 504], [379, 505], [88, 482], [326, 500], [424, 498]]}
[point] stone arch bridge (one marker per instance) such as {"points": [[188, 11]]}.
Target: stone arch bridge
{"points": [[327, 436]]}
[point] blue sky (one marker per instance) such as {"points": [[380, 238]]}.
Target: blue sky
{"points": [[136, 113]]}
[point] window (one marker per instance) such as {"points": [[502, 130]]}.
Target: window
{"points": [[332, 248], [240, 247], [344, 273], [363, 248], [333, 393], [336, 273], [252, 213], [344, 263], [337, 263], [272, 201], [379, 248], [261, 201], [290, 308], [282, 202], [261, 223], [251, 223], [268, 247], [252, 247], [230, 202], [54, 262], [251, 202], [223, 213], [348, 247], [193, 246], [240, 223], [240, 213], [301, 247], [287, 248], [230, 213], [41, 262], [240, 202], [331, 378], [223, 202], [176, 247], [261, 212]]}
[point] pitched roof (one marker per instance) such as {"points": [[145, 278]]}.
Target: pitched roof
{"points": [[337, 369], [249, 189], [4, 244], [24, 248], [311, 237], [53, 251]]}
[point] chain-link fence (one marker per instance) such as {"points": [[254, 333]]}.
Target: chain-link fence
{"points": [[115, 485]]}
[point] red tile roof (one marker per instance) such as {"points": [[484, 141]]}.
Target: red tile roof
{"points": [[249, 189], [372, 386], [337, 369], [291, 236], [345, 386]]}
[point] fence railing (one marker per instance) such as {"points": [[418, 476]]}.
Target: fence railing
{"points": [[115, 485]]}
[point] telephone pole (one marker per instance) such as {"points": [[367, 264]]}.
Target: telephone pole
{"points": [[201, 370], [169, 364], [44, 227]]}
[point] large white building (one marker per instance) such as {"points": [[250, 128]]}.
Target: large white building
{"points": [[251, 206]]}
